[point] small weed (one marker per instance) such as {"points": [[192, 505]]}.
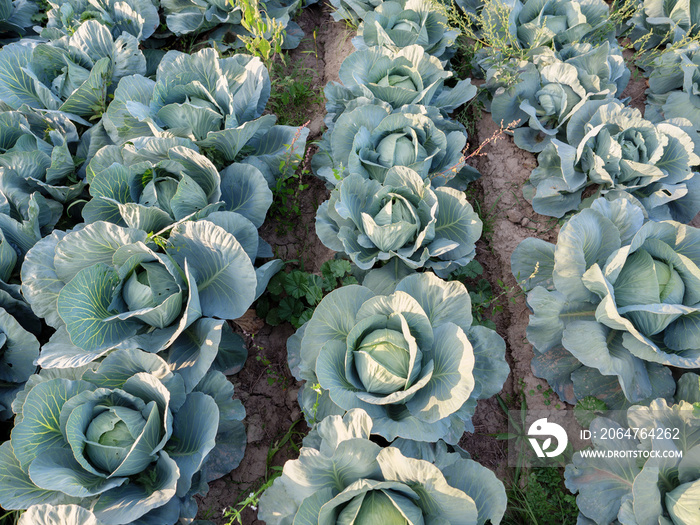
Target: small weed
{"points": [[10, 517], [286, 207], [540, 499], [292, 439], [536, 495], [266, 33], [485, 302], [292, 297], [470, 115], [587, 409], [293, 94], [273, 376]]}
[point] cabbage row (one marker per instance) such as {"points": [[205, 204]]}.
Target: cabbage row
{"points": [[399, 355], [133, 182], [613, 300], [615, 304]]}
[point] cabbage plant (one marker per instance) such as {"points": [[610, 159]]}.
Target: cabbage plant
{"points": [[151, 183], [612, 146], [138, 18], [659, 489], [105, 286], [552, 23], [371, 139], [343, 477], [211, 101], [541, 94], [26, 215], [409, 356], [74, 74], [127, 439], [37, 157], [614, 302], [656, 22], [401, 217], [674, 85], [396, 24], [409, 76]]}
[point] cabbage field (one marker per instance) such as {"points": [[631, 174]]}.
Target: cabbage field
{"points": [[288, 263]]}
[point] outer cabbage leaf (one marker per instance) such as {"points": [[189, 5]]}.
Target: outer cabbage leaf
{"points": [[20, 348], [58, 515], [16, 17]]}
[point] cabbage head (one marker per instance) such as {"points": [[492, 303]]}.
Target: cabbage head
{"points": [[139, 18], [396, 24], [553, 23], [612, 146], [409, 76], [409, 356], [151, 183], [402, 218], [343, 477], [127, 439], [659, 22], [674, 85], [371, 139], [211, 101], [659, 489], [541, 94], [614, 302], [105, 286]]}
